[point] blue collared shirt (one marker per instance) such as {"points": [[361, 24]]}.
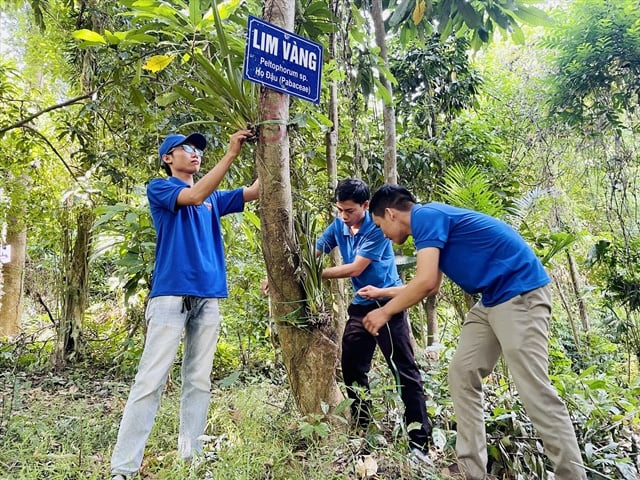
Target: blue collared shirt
{"points": [[478, 252], [369, 243], [189, 249]]}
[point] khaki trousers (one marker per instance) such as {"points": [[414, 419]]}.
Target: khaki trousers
{"points": [[518, 330]]}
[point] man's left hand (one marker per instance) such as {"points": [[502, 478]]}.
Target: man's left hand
{"points": [[375, 320]]}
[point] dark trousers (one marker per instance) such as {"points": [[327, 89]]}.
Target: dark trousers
{"points": [[358, 347]]}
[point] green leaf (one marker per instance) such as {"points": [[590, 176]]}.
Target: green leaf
{"points": [[387, 74], [144, 3], [342, 406], [141, 38], [89, 36], [533, 16], [251, 218], [472, 18], [502, 19], [517, 35], [111, 38], [222, 38], [318, 9], [194, 12], [444, 18], [167, 98], [596, 384], [229, 380], [136, 97], [382, 92], [109, 213], [323, 119], [358, 36], [401, 13]]}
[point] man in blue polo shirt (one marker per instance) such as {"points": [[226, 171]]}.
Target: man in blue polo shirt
{"points": [[483, 255], [188, 279], [369, 260]]}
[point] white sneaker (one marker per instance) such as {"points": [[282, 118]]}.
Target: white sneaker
{"points": [[118, 476], [418, 456]]}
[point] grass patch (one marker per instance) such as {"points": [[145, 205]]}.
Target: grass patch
{"points": [[56, 427]]}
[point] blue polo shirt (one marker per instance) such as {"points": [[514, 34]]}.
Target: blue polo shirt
{"points": [[369, 243], [478, 252], [189, 248]]}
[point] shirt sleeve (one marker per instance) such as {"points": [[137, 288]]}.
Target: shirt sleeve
{"points": [[327, 240], [229, 201], [163, 194], [429, 227]]}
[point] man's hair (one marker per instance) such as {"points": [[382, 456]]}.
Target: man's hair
{"points": [[352, 189], [166, 167], [391, 196]]}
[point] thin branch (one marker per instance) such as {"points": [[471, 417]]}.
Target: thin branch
{"points": [[48, 109], [46, 140], [46, 308]]}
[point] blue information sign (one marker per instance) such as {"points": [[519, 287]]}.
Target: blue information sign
{"points": [[282, 60]]}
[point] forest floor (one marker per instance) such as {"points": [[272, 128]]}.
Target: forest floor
{"points": [[63, 427]]}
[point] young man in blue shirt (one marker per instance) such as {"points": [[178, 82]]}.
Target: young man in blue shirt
{"points": [[188, 279], [369, 260], [482, 255]]}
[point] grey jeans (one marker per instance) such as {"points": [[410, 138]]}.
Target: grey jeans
{"points": [[167, 317]]}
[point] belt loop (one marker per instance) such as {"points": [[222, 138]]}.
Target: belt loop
{"points": [[186, 304]]}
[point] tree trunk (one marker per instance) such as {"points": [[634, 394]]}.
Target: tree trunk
{"points": [[339, 287], [309, 355], [76, 281], [388, 112], [13, 279], [567, 309], [577, 290], [69, 344], [431, 312]]}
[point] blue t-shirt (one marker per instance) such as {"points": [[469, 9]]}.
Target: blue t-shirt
{"points": [[189, 249], [478, 252], [369, 243]]}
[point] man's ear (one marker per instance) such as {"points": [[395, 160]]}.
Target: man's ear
{"points": [[390, 212], [365, 205]]}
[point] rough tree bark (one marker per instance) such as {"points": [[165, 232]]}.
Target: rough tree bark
{"points": [[11, 295], [69, 343], [309, 355]]}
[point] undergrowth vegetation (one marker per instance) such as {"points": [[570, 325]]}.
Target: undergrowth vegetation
{"points": [[64, 426]]}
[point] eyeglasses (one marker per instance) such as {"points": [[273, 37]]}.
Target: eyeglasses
{"points": [[187, 148]]}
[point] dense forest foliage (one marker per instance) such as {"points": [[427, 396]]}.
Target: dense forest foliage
{"points": [[524, 110]]}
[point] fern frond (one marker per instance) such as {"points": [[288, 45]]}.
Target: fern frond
{"points": [[467, 187]]}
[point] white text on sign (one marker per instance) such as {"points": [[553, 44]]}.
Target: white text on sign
{"points": [[292, 52]]}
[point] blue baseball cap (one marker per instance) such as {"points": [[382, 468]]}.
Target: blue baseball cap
{"points": [[175, 139]]}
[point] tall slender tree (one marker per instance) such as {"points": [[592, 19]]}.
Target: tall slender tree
{"points": [[308, 354]]}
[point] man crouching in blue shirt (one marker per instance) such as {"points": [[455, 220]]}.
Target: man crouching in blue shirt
{"points": [[369, 260], [188, 279]]}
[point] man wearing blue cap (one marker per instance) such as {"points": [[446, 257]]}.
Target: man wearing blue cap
{"points": [[188, 279]]}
